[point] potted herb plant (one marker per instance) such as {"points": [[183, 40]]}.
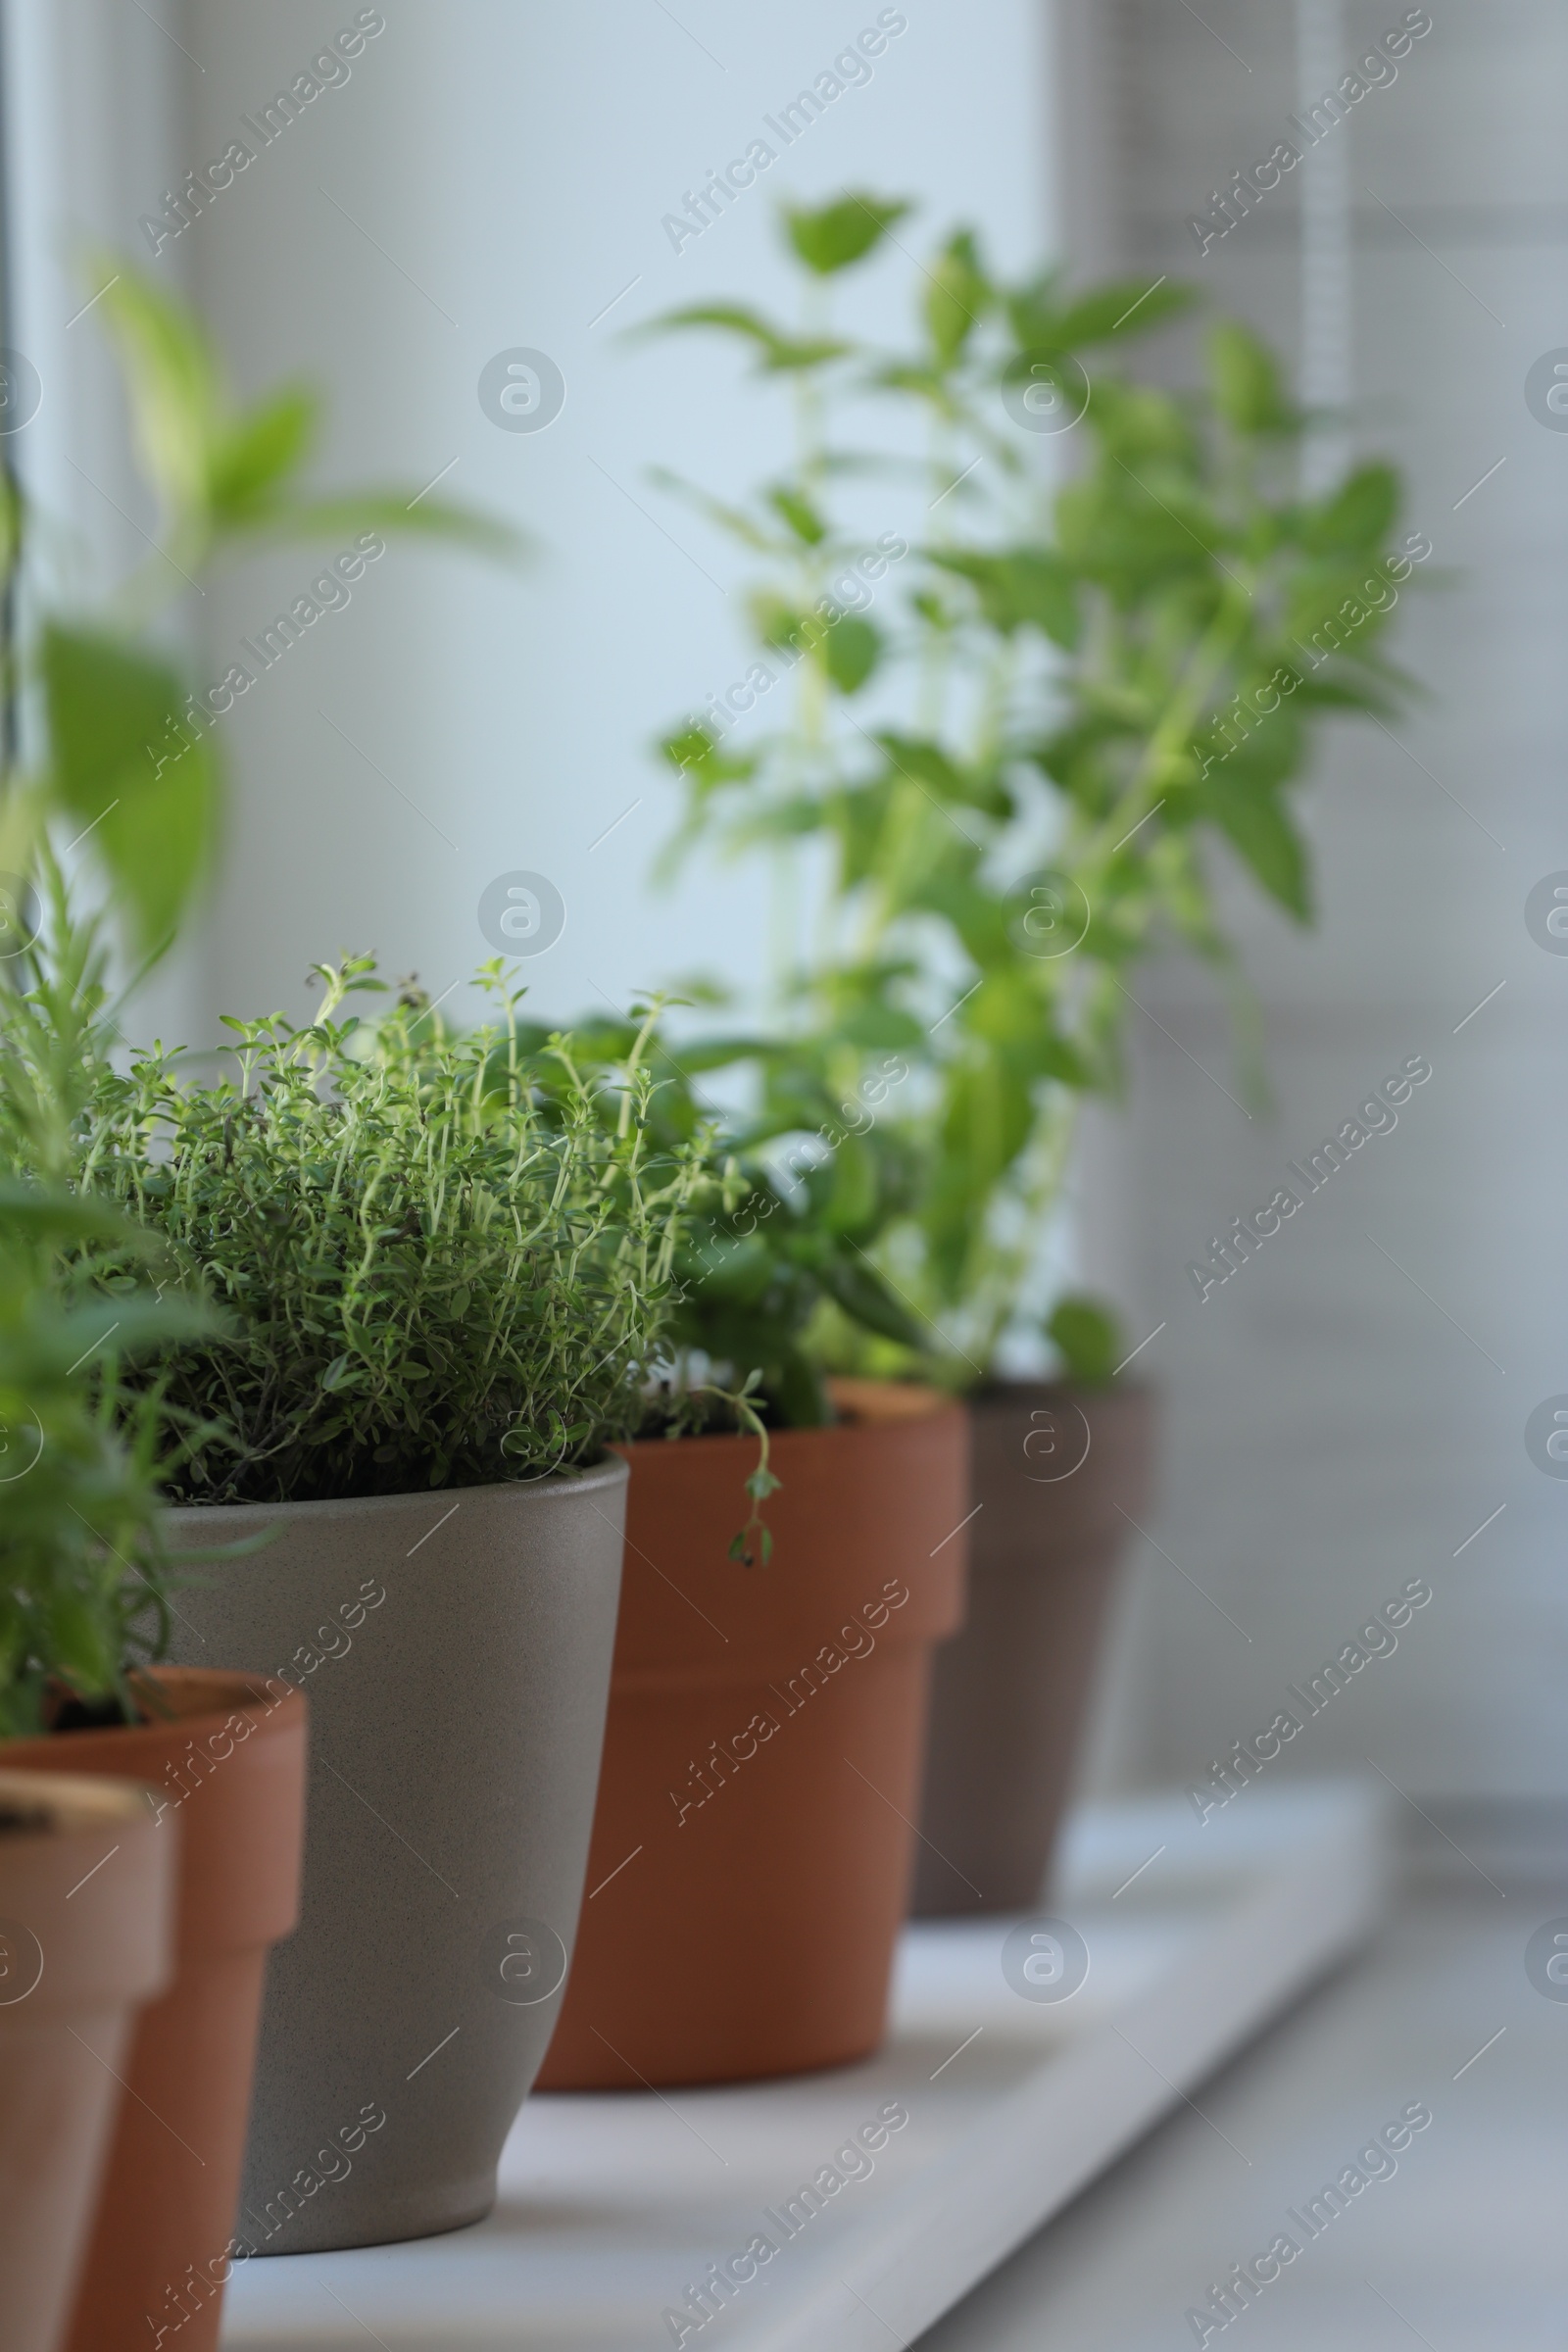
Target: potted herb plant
{"points": [[1020, 727], [109, 743], [87, 1876], [85, 1585], [87, 1612], [439, 1278], [794, 1553]]}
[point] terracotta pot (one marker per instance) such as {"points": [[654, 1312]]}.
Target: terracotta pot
{"points": [[750, 1866], [456, 1647], [1010, 1693], [86, 1918], [230, 1768]]}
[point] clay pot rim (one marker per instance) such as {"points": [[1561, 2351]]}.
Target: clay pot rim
{"points": [[212, 1920], [73, 1805], [921, 1403], [275, 1697], [595, 1479], [194, 1681]]}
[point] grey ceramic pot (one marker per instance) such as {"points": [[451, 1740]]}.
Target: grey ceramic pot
{"points": [[454, 1649]]}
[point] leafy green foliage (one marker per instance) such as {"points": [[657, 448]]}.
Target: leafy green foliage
{"points": [[1088, 1337], [1245, 377], [833, 237], [440, 1262], [782, 1218], [776, 353], [957, 298], [1076, 696], [152, 824], [83, 1581]]}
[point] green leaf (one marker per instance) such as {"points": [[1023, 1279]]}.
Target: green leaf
{"points": [[176, 393], [987, 1113], [725, 518], [158, 843], [920, 760], [694, 755], [1246, 378], [798, 513], [1360, 513], [835, 235], [1088, 1337], [860, 1290], [77, 1640], [363, 510], [1033, 309], [1346, 694], [843, 1189], [254, 457], [739, 1546], [49, 1214], [979, 916], [133, 1326], [1133, 535], [121, 765], [1257, 829], [957, 295], [1022, 585], [777, 353], [852, 650], [876, 1024], [1123, 306]]}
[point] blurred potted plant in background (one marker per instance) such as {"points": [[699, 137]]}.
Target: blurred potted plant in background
{"points": [[112, 749], [1019, 742]]}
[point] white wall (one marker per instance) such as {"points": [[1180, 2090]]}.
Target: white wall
{"points": [[508, 171]]}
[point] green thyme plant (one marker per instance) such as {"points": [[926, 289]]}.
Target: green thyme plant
{"points": [[1022, 740], [430, 1274]]}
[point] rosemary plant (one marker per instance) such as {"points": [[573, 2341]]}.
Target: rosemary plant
{"points": [[83, 1571]]}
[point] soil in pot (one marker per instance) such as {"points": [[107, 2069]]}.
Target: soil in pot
{"points": [[455, 1648], [751, 1857], [1058, 1476], [227, 1763], [86, 1917]]}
